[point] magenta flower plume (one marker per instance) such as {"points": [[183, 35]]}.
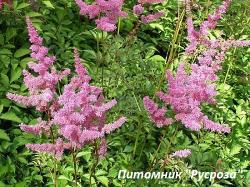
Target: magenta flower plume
{"points": [[146, 19], [156, 115], [110, 9], [79, 112], [188, 91], [150, 1], [38, 129], [151, 17], [82, 114], [138, 9], [54, 149], [102, 150], [41, 86], [1, 4], [181, 153]]}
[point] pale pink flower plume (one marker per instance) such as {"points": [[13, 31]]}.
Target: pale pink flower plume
{"points": [[188, 91], [181, 153]]}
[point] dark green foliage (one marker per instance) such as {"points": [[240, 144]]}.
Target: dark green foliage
{"points": [[127, 66]]}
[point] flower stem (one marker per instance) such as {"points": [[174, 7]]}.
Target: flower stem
{"points": [[157, 150], [169, 58], [55, 172], [92, 170], [119, 25], [75, 164]]}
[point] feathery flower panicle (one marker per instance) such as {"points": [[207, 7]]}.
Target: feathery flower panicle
{"points": [[150, 1], [151, 17], [102, 150], [55, 149], [38, 129], [157, 115], [146, 19], [110, 9], [79, 112], [181, 153], [82, 115], [1, 4], [187, 91], [41, 86], [138, 9]]}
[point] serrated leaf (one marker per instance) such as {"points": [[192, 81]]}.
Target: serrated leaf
{"points": [[157, 58], [4, 80], [22, 5], [5, 52], [48, 4], [15, 74], [21, 52], [235, 150], [11, 117], [4, 135], [10, 33], [33, 14], [1, 108], [104, 180]]}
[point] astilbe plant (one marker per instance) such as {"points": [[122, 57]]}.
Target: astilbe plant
{"points": [[74, 118], [188, 90], [107, 12], [112, 10], [139, 10]]}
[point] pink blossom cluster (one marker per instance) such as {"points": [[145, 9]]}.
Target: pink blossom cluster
{"points": [[188, 90], [181, 153], [79, 112], [1, 4], [42, 84], [139, 9], [82, 114], [110, 9]]}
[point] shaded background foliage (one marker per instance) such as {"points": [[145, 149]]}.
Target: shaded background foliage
{"points": [[128, 65]]}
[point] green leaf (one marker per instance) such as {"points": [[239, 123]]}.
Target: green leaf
{"points": [[235, 150], [5, 52], [33, 14], [21, 52], [11, 117], [48, 4], [10, 33], [22, 5], [15, 74], [1, 39], [1, 108], [4, 135], [104, 180], [4, 80], [157, 58]]}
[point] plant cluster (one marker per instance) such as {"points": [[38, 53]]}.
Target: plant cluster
{"points": [[64, 104]]}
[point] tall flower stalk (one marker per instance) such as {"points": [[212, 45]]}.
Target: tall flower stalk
{"points": [[195, 83], [107, 13], [72, 119]]}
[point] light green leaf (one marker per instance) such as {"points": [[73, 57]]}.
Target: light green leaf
{"points": [[157, 58], [4, 80], [15, 74], [4, 135], [33, 14], [21, 52], [104, 180], [10, 33], [48, 4], [11, 117], [5, 52], [1, 108], [235, 150], [22, 5]]}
